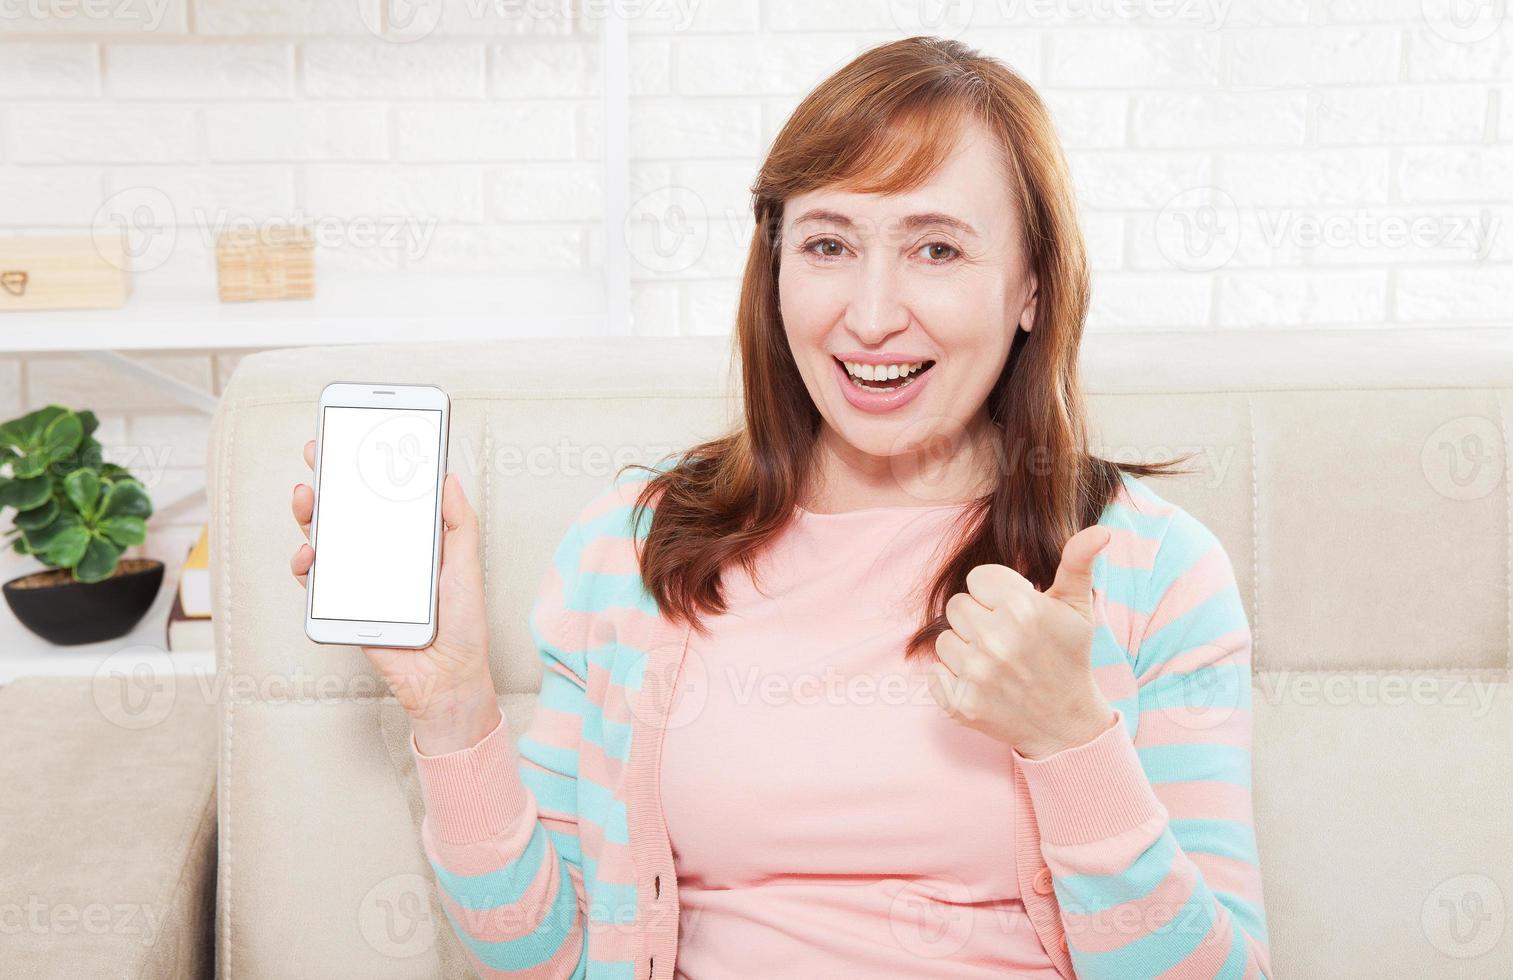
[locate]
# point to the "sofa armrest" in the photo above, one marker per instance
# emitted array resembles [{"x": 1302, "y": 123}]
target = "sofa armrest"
[{"x": 107, "y": 862}]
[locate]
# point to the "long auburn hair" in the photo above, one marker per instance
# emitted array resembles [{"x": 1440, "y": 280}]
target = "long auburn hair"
[{"x": 882, "y": 124}]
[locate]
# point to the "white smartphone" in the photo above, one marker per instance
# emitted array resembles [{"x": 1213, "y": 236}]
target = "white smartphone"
[{"x": 380, "y": 459}]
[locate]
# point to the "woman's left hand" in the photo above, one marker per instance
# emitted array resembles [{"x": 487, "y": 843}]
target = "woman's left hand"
[{"x": 1016, "y": 663}]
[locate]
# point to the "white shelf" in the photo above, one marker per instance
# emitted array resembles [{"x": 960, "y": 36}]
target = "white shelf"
[
  {"x": 167, "y": 314},
  {"x": 24, "y": 654},
  {"x": 170, "y": 315}
]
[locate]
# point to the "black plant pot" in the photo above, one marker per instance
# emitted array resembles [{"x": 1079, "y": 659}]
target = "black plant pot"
[{"x": 72, "y": 612}]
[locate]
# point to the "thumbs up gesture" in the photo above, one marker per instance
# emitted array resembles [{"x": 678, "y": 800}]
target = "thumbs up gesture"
[{"x": 1016, "y": 663}]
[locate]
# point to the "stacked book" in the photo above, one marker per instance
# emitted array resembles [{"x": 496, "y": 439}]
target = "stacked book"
[{"x": 189, "y": 620}]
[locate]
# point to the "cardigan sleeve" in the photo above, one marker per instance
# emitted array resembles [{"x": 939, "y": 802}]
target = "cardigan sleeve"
[
  {"x": 1150, "y": 839},
  {"x": 501, "y": 826}
]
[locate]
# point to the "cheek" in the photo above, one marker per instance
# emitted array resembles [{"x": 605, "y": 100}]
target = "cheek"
[
  {"x": 972, "y": 330},
  {"x": 811, "y": 307},
  {"x": 967, "y": 310},
  {"x": 810, "y": 304}
]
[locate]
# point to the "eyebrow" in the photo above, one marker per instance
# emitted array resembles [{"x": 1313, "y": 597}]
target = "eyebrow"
[{"x": 909, "y": 223}]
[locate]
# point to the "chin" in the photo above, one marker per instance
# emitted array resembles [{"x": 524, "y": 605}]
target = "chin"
[
  {"x": 891, "y": 435},
  {"x": 872, "y": 438}
]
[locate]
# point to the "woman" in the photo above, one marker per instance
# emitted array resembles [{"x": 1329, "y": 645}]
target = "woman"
[{"x": 894, "y": 680}]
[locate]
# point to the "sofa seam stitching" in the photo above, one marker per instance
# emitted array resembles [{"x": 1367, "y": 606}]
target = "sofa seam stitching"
[
  {"x": 223, "y": 828},
  {"x": 1255, "y": 535},
  {"x": 1507, "y": 455},
  {"x": 488, "y": 499}
]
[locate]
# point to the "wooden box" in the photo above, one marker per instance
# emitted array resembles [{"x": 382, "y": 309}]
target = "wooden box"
[
  {"x": 265, "y": 263},
  {"x": 76, "y": 272}
]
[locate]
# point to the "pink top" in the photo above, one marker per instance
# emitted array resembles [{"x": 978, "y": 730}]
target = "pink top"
[
  {"x": 1135, "y": 853},
  {"x": 876, "y": 834}
]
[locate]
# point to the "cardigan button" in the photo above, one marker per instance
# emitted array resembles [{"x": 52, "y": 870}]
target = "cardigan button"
[{"x": 1042, "y": 882}]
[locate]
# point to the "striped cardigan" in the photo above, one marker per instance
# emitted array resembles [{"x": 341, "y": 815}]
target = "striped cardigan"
[{"x": 1136, "y": 852}]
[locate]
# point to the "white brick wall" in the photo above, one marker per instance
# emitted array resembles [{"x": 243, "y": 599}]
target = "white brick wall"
[{"x": 1241, "y": 163}]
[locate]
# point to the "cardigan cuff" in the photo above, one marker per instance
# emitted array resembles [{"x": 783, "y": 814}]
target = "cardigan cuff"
[
  {"x": 476, "y": 793},
  {"x": 1090, "y": 792}
]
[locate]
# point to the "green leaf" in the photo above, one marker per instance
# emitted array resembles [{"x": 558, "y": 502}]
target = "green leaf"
[
  {"x": 26, "y": 432},
  {"x": 125, "y": 498},
  {"x": 67, "y": 547},
  {"x": 41, "y": 438},
  {"x": 99, "y": 560},
  {"x": 40, "y": 539},
  {"x": 11, "y": 436},
  {"x": 89, "y": 421},
  {"x": 29, "y": 466},
  {"x": 38, "y": 517},
  {"x": 124, "y": 531},
  {"x": 111, "y": 471},
  {"x": 91, "y": 454},
  {"x": 43, "y": 417},
  {"x": 25, "y": 494},
  {"x": 62, "y": 436},
  {"x": 88, "y": 455},
  {"x": 19, "y": 546},
  {"x": 83, "y": 489}
]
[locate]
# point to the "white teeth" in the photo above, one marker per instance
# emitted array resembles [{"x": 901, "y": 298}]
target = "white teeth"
[{"x": 881, "y": 372}]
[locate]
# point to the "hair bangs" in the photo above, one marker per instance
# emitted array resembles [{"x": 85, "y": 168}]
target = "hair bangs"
[{"x": 910, "y": 145}]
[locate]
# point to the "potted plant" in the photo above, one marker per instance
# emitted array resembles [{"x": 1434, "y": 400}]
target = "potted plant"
[{"x": 78, "y": 514}]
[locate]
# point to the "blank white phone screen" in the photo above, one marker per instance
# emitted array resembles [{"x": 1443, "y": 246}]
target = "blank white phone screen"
[{"x": 376, "y": 525}]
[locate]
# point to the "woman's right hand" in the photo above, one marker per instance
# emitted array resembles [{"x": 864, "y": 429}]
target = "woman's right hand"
[{"x": 445, "y": 688}]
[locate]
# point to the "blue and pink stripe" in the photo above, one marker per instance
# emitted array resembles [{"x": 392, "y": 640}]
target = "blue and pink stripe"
[{"x": 1147, "y": 831}]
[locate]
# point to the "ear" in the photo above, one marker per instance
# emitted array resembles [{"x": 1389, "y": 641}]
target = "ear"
[{"x": 1031, "y": 303}]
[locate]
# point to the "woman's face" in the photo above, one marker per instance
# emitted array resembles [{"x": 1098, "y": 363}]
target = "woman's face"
[{"x": 900, "y": 309}]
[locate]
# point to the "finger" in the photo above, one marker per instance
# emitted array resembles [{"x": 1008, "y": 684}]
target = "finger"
[
  {"x": 952, "y": 651},
  {"x": 947, "y": 690},
  {"x": 301, "y": 562},
  {"x": 1074, "y": 576},
  {"x": 302, "y": 504},
  {"x": 310, "y": 454},
  {"x": 968, "y": 617},
  {"x": 461, "y": 523},
  {"x": 992, "y": 585},
  {"x": 456, "y": 509}
]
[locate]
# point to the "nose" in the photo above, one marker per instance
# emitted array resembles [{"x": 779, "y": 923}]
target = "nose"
[{"x": 876, "y": 310}]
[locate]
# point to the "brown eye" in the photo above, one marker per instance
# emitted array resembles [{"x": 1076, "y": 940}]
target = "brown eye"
[
  {"x": 822, "y": 243},
  {"x": 950, "y": 249}
]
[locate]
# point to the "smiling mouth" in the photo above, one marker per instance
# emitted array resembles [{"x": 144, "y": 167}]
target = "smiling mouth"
[{"x": 884, "y": 377}]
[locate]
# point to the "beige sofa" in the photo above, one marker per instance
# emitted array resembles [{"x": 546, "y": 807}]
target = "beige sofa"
[
  {"x": 1360, "y": 481},
  {"x": 107, "y": 825}
]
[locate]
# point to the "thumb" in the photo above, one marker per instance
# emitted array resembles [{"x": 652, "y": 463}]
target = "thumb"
[
  {"x": 458, "y": 515},
  {"x": 1074, "y": 576}
]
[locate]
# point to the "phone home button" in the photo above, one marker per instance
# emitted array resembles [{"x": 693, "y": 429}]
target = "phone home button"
[{"x": 370, "y": 632}]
